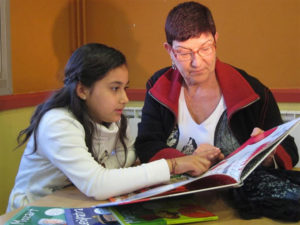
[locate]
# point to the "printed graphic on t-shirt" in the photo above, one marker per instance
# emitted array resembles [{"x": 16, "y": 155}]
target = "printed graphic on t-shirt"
[
  {"x": 173, "y": 139},
  {"x": 189, "y": 147}
]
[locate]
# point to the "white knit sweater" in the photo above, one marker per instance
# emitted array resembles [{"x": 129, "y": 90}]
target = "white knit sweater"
[{"x": 62, "y": 158}]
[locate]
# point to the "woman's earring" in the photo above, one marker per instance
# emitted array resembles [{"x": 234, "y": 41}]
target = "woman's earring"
[{"x": 173, "y": 66}]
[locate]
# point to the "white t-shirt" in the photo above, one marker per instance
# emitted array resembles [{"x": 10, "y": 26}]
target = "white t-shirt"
[
  {"x": 192, "y": 134},
  {"x": 62, "y": 158}
]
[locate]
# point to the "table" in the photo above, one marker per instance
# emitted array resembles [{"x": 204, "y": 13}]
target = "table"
[{"x": 71, "y": 197}]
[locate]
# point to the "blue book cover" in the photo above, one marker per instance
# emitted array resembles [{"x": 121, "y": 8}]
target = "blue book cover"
[{"x": 89, "y": 216}]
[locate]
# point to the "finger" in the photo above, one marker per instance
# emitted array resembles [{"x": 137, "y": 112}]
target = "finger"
[
  {"x": 256, "y": 131},
  {"x": 215, "y": 156},
  {"x": 221, "y": 156},
  {"x": 209, "y": 152},
  {"x": 204, "y": 148},
  {"x": 267, "y": 162}
]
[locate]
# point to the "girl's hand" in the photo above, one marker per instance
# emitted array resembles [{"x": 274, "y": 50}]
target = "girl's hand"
[{"x": 193, "y": 165}]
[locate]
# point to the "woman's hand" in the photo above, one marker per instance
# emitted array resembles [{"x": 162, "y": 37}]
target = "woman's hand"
[
  {"x": 268, "y": 162},
  {"x": 210, "y": 152},
  {"x": 195, "y": 164}
]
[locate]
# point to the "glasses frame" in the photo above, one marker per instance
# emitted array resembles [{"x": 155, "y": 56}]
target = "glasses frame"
[{"x": 192, "y": 53}]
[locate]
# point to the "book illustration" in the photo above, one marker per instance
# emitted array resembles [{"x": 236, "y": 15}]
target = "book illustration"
[
  {"x": 228, "y": 173},
  {"x": 38, "y": 215},
  {"x": 62, "y": 216},
  {"x": 170, "y": 211},
  {"x": 94, "y": 216},
  {"x": 175, "y": 179}
]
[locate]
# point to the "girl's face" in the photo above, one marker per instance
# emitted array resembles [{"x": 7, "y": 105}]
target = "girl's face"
[{"x": 107, "y": 98}]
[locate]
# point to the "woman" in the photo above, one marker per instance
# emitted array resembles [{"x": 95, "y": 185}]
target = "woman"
[{"x": 201, "y": 103}]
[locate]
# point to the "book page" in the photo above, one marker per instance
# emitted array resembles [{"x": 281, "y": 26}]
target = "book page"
[{"x": 234, "y": 164}]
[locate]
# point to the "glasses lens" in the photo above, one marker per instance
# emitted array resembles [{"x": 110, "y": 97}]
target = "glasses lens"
[
  {"x": 184, "y": 57},
  {"x": 205, "y": 51},
  {"x": 187, "y": 56}
]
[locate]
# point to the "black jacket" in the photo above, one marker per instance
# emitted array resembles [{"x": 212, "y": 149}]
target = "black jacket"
[{"x": 249, "y": 104}]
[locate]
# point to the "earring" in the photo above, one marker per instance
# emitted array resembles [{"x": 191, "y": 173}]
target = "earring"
[
  {"x": 83, "y": 97},
  {"x": 173, "y": 66}
]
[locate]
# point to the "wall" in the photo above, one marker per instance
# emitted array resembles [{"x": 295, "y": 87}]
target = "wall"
[
  {"x": 41, "y": 42},
  {"x": 12, "y": 121},
  {"x": 258, "y": 36}
]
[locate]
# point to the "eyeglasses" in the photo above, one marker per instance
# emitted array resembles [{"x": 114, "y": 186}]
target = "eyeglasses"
[{"x": 188, "y": 55}]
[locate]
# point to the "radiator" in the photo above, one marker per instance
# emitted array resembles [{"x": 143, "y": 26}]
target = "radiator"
[{"x": 134, "y": 117}]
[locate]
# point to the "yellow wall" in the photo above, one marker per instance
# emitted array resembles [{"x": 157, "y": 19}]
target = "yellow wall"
[
  {"x": 11, "y": 122},
  {"x": 284, "y": 106}
]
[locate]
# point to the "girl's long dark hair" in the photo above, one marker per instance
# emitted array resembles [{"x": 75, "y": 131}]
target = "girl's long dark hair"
[{"x": 87, "y": 64}]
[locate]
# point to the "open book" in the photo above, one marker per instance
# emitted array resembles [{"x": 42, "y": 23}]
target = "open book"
[{"x": 230, "y": 172}]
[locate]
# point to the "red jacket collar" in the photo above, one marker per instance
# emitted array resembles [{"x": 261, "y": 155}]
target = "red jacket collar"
[{"x": 236, "y": 90}]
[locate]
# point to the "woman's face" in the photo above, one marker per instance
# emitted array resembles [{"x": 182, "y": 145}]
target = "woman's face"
[
  {"x": 195, "y": 58},
  {"x": 107, "y": 97}
]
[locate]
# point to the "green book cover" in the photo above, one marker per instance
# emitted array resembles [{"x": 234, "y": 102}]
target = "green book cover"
[
  {"x": 38, "y": 215},
  {"x": 164, "y": 211}
]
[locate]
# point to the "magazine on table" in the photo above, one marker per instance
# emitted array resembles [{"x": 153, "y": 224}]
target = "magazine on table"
[
  {"x": 163, "y": 211},
  {"x": 228, "y": 173},
  {"x": 63, "y": 216}
]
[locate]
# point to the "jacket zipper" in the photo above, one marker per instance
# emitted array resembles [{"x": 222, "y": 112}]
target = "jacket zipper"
[
  {"x": 166, "y": 107},
  {"x": 229, "y": 119}
]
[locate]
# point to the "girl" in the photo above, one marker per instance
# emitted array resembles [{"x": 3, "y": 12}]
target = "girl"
[{"x": 79, "y": 136}]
